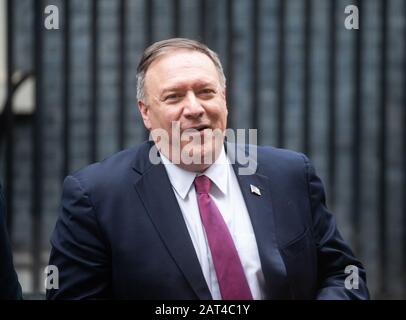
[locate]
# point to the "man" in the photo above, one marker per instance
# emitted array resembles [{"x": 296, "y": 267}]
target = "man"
[
  {"x": 10, "y": 289},
  {"x": 190, "y": 225}
]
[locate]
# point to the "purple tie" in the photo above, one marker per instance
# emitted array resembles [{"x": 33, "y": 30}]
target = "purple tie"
[{"x": 230, "y": 274}]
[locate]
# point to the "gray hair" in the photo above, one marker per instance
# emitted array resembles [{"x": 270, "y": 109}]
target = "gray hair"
[{"x": 161, "y": 47}]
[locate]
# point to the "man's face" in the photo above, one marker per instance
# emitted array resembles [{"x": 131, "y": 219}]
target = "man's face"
[{"x": 182, "y": 88}]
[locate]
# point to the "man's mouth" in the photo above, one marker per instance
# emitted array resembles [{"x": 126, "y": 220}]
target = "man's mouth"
[{"x": 199, "y": 128}]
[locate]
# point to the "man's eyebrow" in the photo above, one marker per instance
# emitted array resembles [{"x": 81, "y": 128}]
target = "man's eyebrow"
[
  {"x": 199, "y": 84},
  {"x": 172, "y": 88}
]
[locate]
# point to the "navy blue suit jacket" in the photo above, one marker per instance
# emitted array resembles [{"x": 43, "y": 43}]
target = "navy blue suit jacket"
[
  {"x": 10, "y": 288},
  {"x": 121, "y": 234}
]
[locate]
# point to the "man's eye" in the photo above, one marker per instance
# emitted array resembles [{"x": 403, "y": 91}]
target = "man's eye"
[
  {"x": 173, "y": 97},
  {"x": 207, "y": 92}
]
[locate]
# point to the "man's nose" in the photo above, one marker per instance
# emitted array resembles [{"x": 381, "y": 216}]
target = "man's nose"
[{"x": 193, "y": 108}]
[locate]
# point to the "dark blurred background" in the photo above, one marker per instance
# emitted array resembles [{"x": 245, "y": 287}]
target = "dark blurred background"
[{"x": 293, "y": 71}]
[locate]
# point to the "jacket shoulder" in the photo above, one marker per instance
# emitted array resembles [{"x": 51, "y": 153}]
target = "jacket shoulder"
[
  {"x": 110, "y": 172},
  {"x": 271, "y": 158}
]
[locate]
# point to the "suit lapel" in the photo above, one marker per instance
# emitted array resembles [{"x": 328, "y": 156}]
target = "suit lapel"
[
  {"x": 155, "y": 191},
  {"x": 163, "y": 208},
  {"x": 262, "y": 218}
]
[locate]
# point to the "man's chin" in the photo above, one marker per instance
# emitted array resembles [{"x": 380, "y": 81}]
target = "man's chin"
[
  {"x": 194, "y": 167},
  {"x": 198, "y": 159}
]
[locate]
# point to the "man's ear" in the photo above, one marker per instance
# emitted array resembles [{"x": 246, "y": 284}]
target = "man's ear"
[{"x": 144, "y": 111}]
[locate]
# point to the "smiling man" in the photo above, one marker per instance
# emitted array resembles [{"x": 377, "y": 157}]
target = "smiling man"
[
  {"x": 183, "y": 92},
  {"x": 190, "y": 226}
]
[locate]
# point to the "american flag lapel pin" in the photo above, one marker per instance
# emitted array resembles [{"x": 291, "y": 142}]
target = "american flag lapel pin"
[{"x": 255, "y": 190}]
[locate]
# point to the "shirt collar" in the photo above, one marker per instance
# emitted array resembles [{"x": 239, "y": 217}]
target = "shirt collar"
[
  {"x": 181, "y": 179},
  {"x": 218, "y": 172}
]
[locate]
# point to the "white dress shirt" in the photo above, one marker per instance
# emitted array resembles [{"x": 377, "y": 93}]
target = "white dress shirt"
[{"x": 226, "y": 193}]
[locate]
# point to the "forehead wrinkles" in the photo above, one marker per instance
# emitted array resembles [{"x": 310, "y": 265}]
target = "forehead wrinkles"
[{"x": 168, "y": 66}]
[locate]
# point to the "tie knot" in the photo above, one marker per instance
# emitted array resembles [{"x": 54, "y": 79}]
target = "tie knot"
[{"x": 202, "y": 184}]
